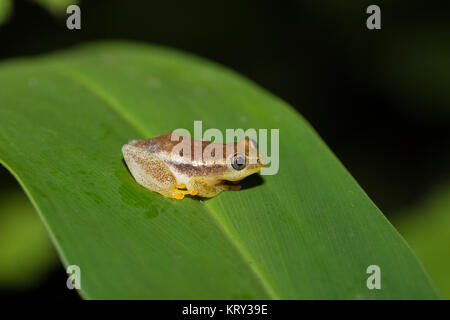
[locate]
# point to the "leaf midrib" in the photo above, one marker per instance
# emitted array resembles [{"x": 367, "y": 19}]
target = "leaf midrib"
[{"x": 112, "y": 103}]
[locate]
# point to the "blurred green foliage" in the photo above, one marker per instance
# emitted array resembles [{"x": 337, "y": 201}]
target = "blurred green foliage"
[
  {"x": 414, "y": 67},
  {"x": 56, "y": 7},
  {"x": 426, "y": 227},
  {"x": 5, "y": 10},
  {"x": 26, "y": 253}
]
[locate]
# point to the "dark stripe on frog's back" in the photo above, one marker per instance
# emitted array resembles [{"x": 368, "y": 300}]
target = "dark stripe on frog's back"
[
  {"x": 197, "y": 171},
  {"x": 163, "y": 145}
]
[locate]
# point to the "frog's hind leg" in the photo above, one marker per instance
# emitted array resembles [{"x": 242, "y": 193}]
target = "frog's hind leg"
[
  {"x": 152, "y": 173},
  {"x": 202, "y": 187},
  {"x": 179, "y": 194}
]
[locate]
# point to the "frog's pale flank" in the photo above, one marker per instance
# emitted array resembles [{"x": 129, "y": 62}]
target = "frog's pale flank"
[{"x": 174, "y": 166}]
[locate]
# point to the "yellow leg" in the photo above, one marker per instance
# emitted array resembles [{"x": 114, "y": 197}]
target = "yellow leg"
[
  {"x": 203, "y": 187},
  {"x": 179, "y": 194}
]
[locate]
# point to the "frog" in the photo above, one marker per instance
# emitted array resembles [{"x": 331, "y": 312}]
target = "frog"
[{"x": 169, "y": 164}]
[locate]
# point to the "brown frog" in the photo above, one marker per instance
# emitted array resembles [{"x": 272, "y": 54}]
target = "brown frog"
[{"x": 174, "y": 166}]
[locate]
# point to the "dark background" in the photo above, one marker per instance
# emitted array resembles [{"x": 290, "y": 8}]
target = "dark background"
[{"x": 379, "y": 98}]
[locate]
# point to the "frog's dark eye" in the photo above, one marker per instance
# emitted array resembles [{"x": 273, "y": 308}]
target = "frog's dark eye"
[{"x": 238, "y": 161}]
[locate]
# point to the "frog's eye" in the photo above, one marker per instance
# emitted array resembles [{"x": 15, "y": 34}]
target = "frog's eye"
[{"x": 238, "y": 161}]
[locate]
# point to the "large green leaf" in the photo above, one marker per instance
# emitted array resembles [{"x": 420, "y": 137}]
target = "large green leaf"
[{"x": 307, "y": 232}]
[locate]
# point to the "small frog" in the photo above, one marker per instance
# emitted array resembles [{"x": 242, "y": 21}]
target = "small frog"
[{"x": 170, "y": 165}]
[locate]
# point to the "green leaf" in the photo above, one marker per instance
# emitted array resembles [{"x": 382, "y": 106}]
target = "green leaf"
[{"x": 307, "y": 232}]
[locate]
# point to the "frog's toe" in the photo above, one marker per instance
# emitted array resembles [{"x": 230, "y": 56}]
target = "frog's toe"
[
  {"x": 190, "y": 192},
  {"x": 177, "y": 195}
]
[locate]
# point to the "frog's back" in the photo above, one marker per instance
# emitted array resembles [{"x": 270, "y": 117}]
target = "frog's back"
[
  {"x": 157, "y": 145},
  {"x": 178, "y": 152}
]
